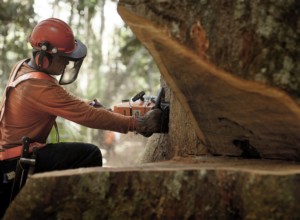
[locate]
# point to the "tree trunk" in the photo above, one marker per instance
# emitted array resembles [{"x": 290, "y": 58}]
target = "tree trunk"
[{"x": 212, "y": 112}]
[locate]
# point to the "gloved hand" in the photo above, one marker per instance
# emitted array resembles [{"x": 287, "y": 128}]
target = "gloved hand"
[
  {"x": 95, "y": 103},
  {"x": 149, "y": 123}
]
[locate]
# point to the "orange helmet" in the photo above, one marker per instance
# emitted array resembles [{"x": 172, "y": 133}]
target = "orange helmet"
[{"x": 54, "y": 37}]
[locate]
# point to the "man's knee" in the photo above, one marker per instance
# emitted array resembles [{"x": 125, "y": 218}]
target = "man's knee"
[
  {"x": 96, "y": 155},
  {"x": 62, "y": 156}
]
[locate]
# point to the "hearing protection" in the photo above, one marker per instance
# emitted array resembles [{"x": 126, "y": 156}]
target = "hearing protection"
[{"x": 42, "y": 57}]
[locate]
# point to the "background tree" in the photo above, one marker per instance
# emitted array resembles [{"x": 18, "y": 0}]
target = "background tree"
[{"x": 15, "y": 21}]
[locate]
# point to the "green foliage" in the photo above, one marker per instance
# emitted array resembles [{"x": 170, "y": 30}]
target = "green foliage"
[
  {"x": 16, "y": 20},
  {"x": 141, "y": 68},
  {"x": 89, "y": 4},
  {"x": 129, "y": 44}
]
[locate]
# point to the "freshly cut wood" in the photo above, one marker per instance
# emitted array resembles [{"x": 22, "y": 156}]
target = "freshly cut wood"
[
  {"x": 199, "y": 188},
  {"x": 231, "y": 116}
]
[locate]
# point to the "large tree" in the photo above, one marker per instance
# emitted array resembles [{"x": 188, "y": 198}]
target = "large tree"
[{"x": 219, "y": 114}]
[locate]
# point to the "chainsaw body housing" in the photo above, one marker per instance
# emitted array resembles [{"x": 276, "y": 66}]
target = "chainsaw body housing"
[
  {"x": 137, "y": 108},
  {"x": 140, "y": 104}
]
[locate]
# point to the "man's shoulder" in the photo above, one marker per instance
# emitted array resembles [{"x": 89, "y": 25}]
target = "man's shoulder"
[{"x": 33, "y": 75}]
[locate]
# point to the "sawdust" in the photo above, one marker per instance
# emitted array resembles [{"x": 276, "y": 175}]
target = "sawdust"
[{"x": 128, "y": 150}]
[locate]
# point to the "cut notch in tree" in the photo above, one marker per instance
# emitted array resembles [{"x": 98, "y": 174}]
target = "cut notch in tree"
[{"x": 223, "y": 108}]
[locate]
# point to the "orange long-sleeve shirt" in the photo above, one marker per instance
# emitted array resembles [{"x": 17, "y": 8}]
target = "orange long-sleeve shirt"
[{"x": 32, "y": 107}]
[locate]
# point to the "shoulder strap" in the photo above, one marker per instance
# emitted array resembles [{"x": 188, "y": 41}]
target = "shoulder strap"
[
  {"x": 10, "y": 79},
  {"x": 13, "y": 83},
  {"x": 31, "y": 75},
  {"x": 14, "y": 71}
]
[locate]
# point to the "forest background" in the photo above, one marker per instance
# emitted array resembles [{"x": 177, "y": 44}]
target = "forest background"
[{"x": 116, "y": 67}]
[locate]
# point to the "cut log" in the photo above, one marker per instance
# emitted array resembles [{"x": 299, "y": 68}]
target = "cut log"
[
  {"x": 231, "y": 115},
  {"x": 198, "y": 188}
]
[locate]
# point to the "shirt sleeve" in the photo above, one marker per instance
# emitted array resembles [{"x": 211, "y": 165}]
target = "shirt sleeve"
[{"x": 53, "y": 99}]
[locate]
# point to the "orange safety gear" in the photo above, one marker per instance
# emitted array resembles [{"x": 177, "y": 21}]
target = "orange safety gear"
[
  {"x": 110, "y": 138},
  {"x": 53, "y": 37},
  {"x": 31, "y": 108},
  {"x": 16, "y": 152},
  {"x": 59, "y": 37}
]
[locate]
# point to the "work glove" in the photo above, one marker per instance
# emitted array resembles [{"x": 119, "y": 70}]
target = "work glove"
[
  {"x": 149, "y": 123},
  {"x": 95, "y": 103}
]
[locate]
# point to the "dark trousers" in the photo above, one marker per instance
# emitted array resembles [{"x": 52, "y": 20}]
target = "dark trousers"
[
  {"x": 6, "y": 168},
  {"x": 60, "y": 156}
]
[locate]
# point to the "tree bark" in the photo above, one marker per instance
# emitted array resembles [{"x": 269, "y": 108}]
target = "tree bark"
[
  {"x": 220, "y": 112},
  {"x": 203, "y": 189}
]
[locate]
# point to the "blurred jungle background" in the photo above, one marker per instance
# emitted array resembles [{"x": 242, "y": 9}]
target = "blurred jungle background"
[{"x": 117, "y": 66}]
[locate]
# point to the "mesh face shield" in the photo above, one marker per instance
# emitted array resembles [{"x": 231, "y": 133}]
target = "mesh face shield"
[
  {"x": 71, "y": 72},
  {"x": 75, "y": 60}
]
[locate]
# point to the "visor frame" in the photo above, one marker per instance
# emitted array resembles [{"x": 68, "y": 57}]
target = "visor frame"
[{"x": 78, "y": 53}]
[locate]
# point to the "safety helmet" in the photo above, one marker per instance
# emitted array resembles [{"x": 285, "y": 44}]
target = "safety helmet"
[{"x": 53, "y": 37}]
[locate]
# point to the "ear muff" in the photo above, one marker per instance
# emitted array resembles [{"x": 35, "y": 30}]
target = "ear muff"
[{"x": 43, "y": 59}]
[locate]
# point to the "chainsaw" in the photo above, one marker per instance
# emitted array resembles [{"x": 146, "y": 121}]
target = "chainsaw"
[{"x": 140, "y": 104}]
